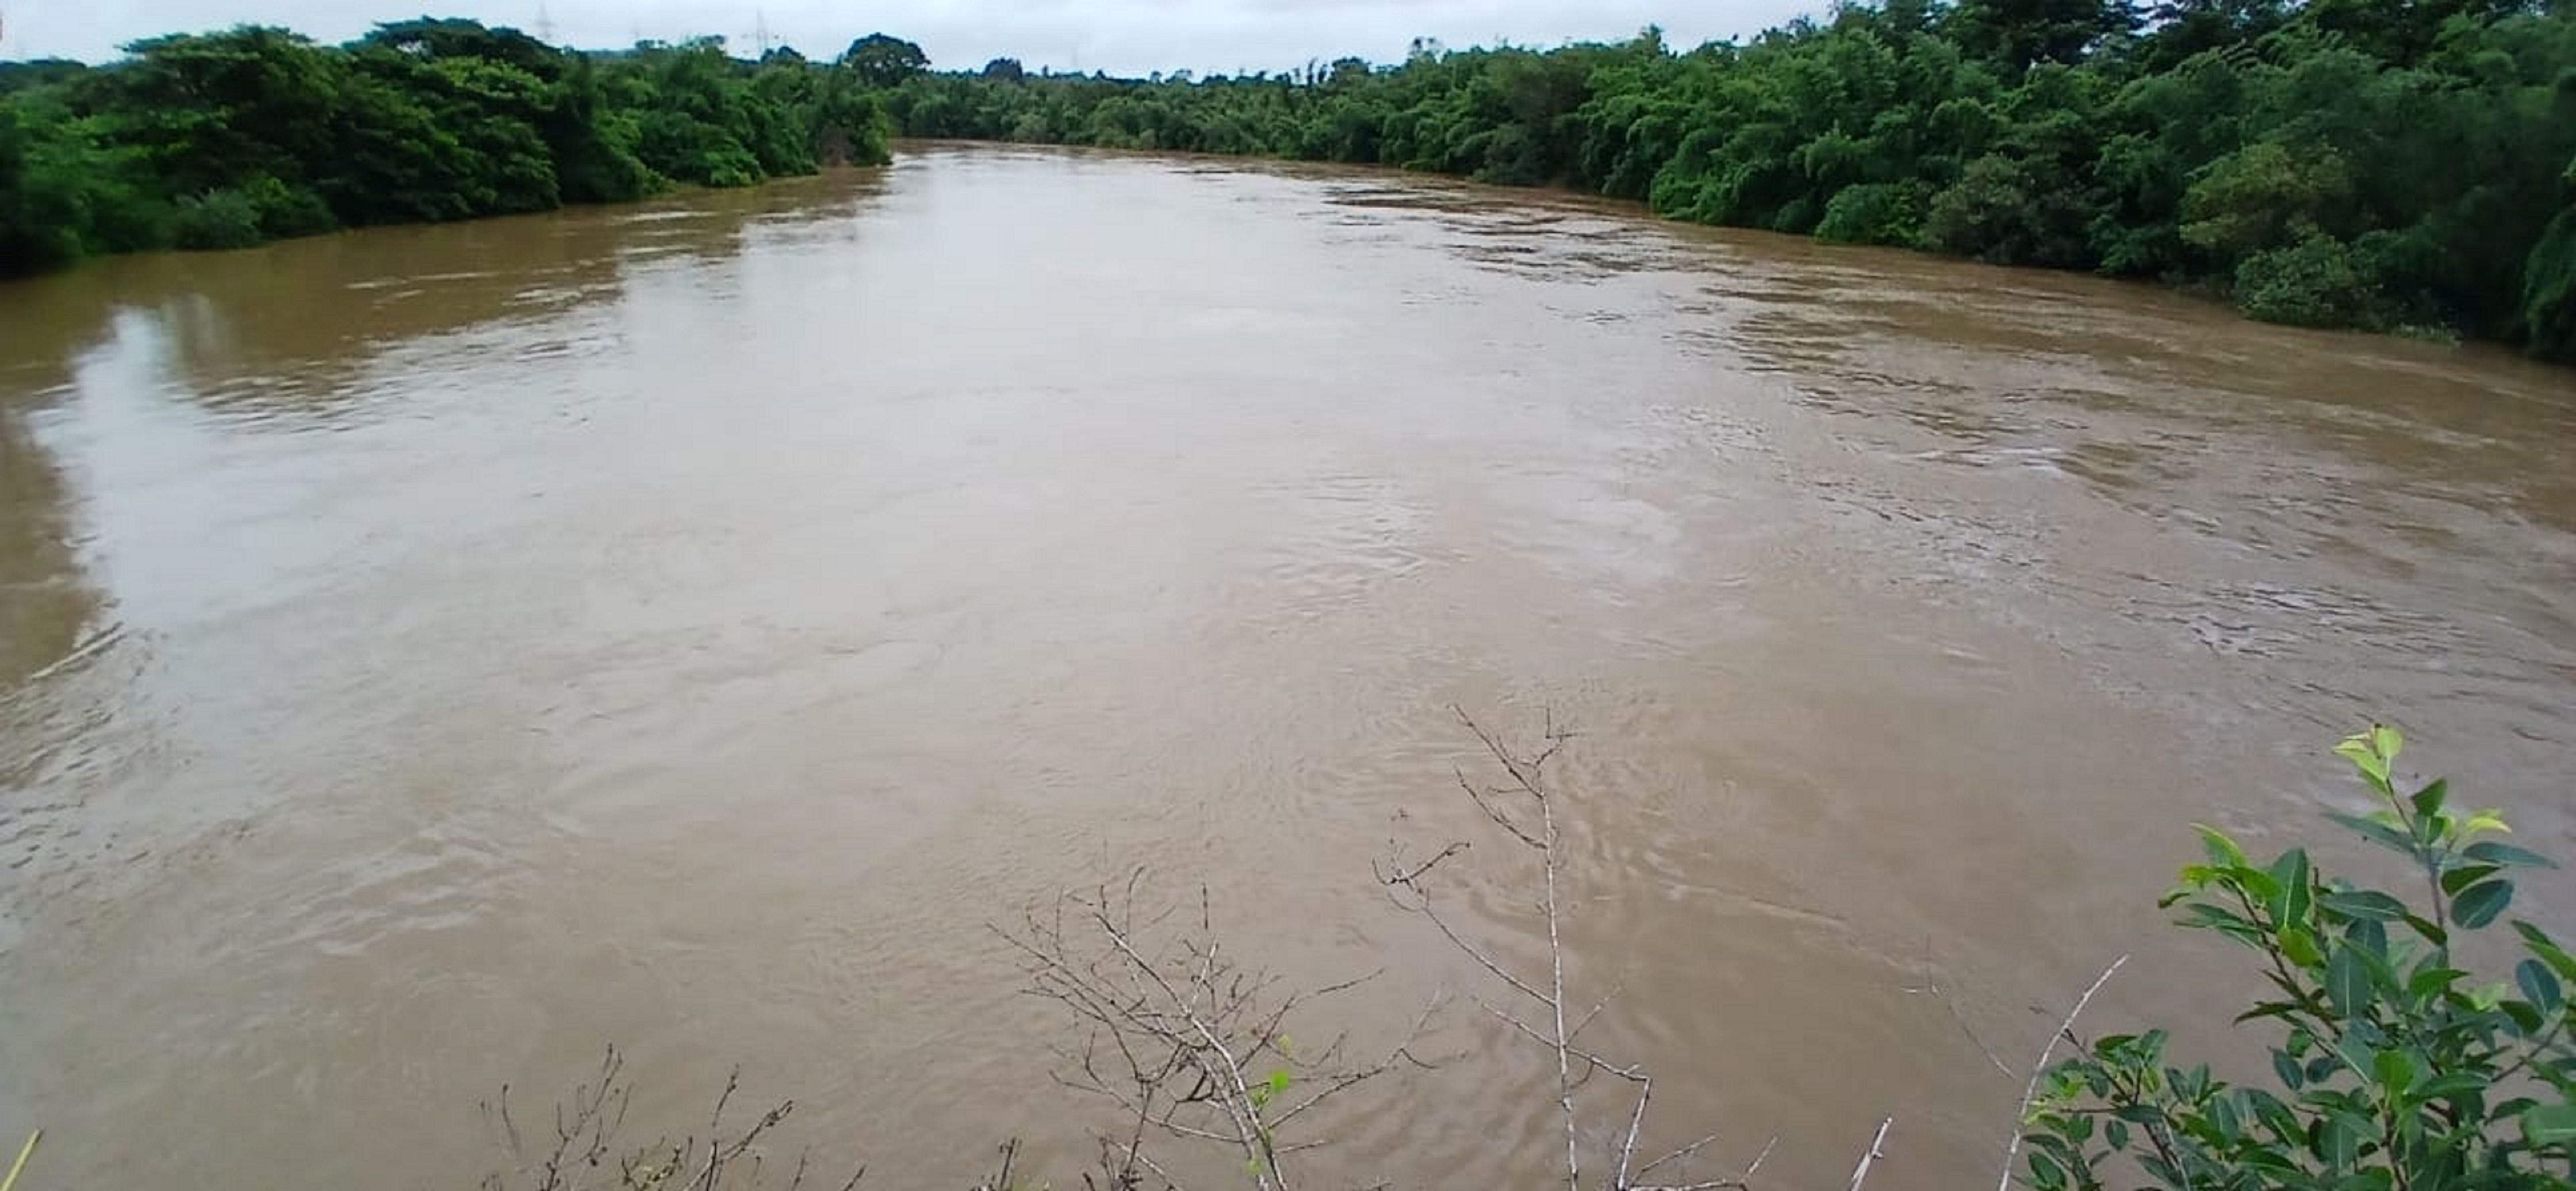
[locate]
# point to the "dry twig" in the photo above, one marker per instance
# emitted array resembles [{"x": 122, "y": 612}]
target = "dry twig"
[
  {"x": 1524, "y": 807},
  {"x": 1186, "y": 1042},
  {"x": 2039, "y": 1069},
  {"x": 585, "y": 1146}
]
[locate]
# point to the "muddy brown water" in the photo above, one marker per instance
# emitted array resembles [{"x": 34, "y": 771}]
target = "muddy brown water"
[{"x": 429, "y": 655}]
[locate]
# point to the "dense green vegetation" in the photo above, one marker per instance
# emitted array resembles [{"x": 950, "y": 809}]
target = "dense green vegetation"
[
  {"x": 2375, "y": 163},
  {"x": 2396, "y": 1068},
  {"x": 2390, "y": 164},
  {"x": 228, "y": 139}
]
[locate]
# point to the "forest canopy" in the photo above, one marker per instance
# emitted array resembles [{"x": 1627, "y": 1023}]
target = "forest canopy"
[
  {"x": 2385, "y": 164},
  {"x": 227, "y": 139}
]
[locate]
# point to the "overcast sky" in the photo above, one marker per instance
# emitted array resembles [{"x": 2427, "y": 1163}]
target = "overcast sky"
[{"x": 1119, "y": 36}]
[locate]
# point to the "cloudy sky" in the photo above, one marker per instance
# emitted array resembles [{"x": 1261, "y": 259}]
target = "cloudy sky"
[{"x": 1120, "y": 36}]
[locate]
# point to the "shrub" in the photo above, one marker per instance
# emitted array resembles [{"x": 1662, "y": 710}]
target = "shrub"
[
  {"x": 224, "y": 218},
  {"x": 2549, "y": 291},
  {"x": 285, "y": 210},
  {"x": 2396, "y": 1069},
  {"x": 2312, "y": 283},
  {"x": 1874, "y": 213},
  {"x": 2007, "y": 212}
]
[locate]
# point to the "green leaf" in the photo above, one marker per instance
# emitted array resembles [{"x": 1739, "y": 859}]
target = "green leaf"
[
  {"x": 2457, "y": 879},
  {"x": 2288, "y": 1069},
  {"x": 2347, "y": 983},
  {"x": 2373, "y": 954},
  {"x": 2367, "y": 904},
  {"x": 2429, "y": 981},
  {"x": 2547, "y": 949},
  {"x": 2141, "y": 1114},
  {"x": 2224, "y": 1117},
  {"x": 2386, "y": 742},
  {"x": 2301, "y": 947},
  {"x": 2540, "y": 985},
  {"x": 2290, "y": 905},
  {"x": 2275, "y": 1115},
  {"x": 2395, "y": 1070},
  {"x": 2457, "y": 1083},
  {"x": 2202, "y": 914},
  {"x": 2428, "y": 930},
  {"x": 2491, "y": 852},
  {"x": 2364, "y": 753},
  {"x": 2223, "y": 850},
  {"x": 2339, "y": 1140},
  {"x": 2549, "y": 1124},
  {"x": 2116, "y": 1132},
  {"x": 2374, "y": 831},
  {"x": 2478, "y": 905},
  {"x": 2428, "y": 801},
  {"x": 2485, "y": 820}
]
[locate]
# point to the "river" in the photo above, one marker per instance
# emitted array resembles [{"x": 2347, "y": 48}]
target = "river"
[{"x": 430, "y": 655}]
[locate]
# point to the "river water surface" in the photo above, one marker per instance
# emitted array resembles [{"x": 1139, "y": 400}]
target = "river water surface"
[{"x": 429, "y": 655}]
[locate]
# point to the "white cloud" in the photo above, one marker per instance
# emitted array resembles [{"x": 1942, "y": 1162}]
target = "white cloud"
[{"x": 1119, "y": 36}]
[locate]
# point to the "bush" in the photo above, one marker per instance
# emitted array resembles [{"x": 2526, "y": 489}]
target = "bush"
[
  {"x": 254, "y": 212},
  {"x": 2008, "y": 212},
  {"x": 1874, "y": 213},
  {"x": 2549, "y": 291},
  {"x": 2395, "y": 1067},
  {"x": 2312, "y": 283},
  {"x": 218, "y": 219},
  {"x": 287, "y": 210}
]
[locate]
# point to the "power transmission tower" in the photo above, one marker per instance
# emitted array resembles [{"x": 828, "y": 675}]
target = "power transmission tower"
[
  {"x": 545, "y": 24},
  {"x": 760, "y": 31}
]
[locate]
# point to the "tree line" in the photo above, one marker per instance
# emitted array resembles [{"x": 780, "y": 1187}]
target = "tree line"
[
  {"x": 2386, "y": 164},
  {"x": 228, "y": 139}
]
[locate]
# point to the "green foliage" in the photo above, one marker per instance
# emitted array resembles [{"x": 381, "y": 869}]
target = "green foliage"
[
  {"x": 1874, "y": 213},
  {"x": 2008, "y": 212},
  {"x": 2395, "y": 1066},
  {"x": 2333, "y": 163},
  {"x": 883, "y": 61},
  {"x": 2402, "y": 178},
  {"x": 2312, "y": 283},
  {"x": 218, "y": 219},
  {"x": 2549, "y": 291},
  {"x": 227, "y": 139}
]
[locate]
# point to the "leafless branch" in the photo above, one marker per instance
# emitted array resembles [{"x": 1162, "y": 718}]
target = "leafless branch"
[
  {"x": 2039, "y": 1069},
  {"x": 1525, "y": 806},
  {"x": 1188, "y": 1043},
  {"x": 585, "y": 1146},
  {"x": 1932, "y": 985},
  {"x": 1877, "y": 1150}
]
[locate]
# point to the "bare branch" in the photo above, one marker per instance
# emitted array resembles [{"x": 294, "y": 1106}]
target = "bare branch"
[
  {"x": 1932, "y": 985},
  {"x": 1409, "y": 876},
  {"x": 1876, "y": 1151},
  {"x": 2039, "y": 1069},
  {"x": 1178, "y": 1029}
]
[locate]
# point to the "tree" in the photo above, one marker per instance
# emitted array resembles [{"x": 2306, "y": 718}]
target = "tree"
[
  {"x": 2021, "y": 33},
  {"x": 1004, "y": 70},
  {"x": 884, "y": 62}
]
